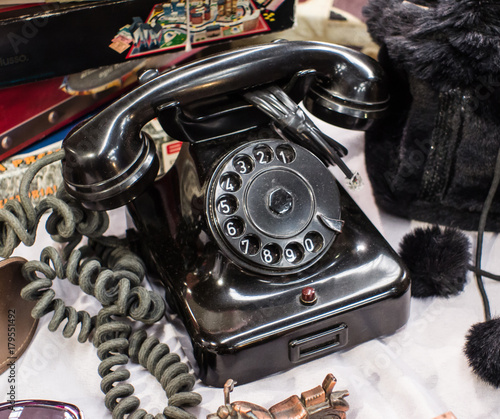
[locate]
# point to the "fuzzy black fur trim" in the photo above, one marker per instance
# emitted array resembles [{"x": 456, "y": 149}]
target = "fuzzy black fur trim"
[
  {"x": 482, "y": 349},
  {"x": 437, "y": 260},
  {"x": 449, "y": 43}
]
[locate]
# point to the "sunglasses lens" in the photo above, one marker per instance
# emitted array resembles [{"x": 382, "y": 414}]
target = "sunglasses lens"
[{"x": 37, "y": 412}]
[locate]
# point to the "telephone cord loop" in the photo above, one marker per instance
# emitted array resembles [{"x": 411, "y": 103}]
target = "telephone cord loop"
[{"x": 111, "y": 273}]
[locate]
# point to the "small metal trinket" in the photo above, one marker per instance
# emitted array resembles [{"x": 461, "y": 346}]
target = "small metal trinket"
[{"x": 320, "y": 402}]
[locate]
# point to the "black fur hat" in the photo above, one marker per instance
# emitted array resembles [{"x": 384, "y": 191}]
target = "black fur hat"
[{"x": 433, "y": 157}]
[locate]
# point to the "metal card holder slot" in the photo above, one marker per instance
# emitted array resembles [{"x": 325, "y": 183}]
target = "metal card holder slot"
[{"x": 320, "y": 343}]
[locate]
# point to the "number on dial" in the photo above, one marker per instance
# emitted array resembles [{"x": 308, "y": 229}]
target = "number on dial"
[
  {"x": 263, "y": 154},
  {"x": 271, "y": 254},
  {"x": 313, "y": 242},
  {"x": 285, "y": 153},
  {"x": 234, "y": 227},
  {"x": 243, "y": 164},
  {"x": 230, "y": 182},
  {"x": 227, "y": 204},
  {"x": 249, "y": 245},
  {"x": 294, "y": 253}
]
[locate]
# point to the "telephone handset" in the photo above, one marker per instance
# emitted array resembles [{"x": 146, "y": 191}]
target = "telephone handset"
[
  {"x": 267, "y": 260},
  {"x": 108, "y": 160}
]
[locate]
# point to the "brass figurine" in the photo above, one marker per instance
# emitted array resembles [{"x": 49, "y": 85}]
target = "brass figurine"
[{"x": 320, "y": 402}]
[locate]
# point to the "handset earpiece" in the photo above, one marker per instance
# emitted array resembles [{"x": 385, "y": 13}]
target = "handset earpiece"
[{"x": 353, "y": 98}]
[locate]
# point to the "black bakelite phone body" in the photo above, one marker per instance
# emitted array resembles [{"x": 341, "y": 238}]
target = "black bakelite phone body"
[{"x": 264, "y": 256}]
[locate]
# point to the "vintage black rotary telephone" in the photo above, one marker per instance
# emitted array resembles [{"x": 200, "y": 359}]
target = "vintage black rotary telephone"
[
  {"x": 266, "y": 259},
  {"x": 241, "y": 231}
]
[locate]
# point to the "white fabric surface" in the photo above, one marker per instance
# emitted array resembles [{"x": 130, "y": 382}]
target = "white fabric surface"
[{"x": 417, "y": 373}]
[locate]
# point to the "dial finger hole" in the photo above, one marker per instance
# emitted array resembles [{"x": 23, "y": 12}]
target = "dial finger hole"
[
  {"x": 227, "y": 204},
  {"x": 250, "y": 245},
  {"x": 294, "y": 253},
  {"x": 313, "y": 242},
  {"x": 230, "y": 182},
  {"x": 234, "y": 227},
  {"x": 271, "y": 254},
  {"x": 243, "y": 164},
  {"x": 263, "y": 154},
  {"x": 285, "y": 153}
]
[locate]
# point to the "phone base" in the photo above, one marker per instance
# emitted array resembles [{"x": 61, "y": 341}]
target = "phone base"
[
  {"x": 245, "y": 325},
  {"x": 250, "y": 331}
]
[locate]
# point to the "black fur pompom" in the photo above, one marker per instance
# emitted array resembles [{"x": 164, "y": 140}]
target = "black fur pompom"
[
  {"x": 437, "y": 261},
  {"x": 482, "y": 348}
]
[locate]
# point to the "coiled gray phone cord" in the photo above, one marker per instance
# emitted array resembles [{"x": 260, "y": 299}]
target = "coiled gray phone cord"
[{"x": 109, "y": 271}]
